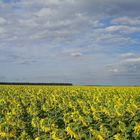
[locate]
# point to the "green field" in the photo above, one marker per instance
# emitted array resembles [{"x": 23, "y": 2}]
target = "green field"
[{"x": 67, "y": 113}]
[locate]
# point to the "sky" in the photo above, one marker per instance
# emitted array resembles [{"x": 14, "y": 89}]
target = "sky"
[{"x": 78, "y": 41}]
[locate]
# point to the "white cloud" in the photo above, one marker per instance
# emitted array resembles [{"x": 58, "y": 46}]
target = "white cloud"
[
  {"x": 2, "y": 21},
  {"x": 132, "y": 61},
  {"x": 46, "y": 12},
  {"x": 104, "y": 37},
  {"x": 126, "y": 21},
  {"x": 76, "y": 54},
  {"x": 2, "y": 31},
  {"x": 28, "y": 23},
  {"x": 128, "y": 55},
  {"x": 115, "y": 70},
  {"x": 127, "y": 64},
  {"x": 122, "y": 29}
]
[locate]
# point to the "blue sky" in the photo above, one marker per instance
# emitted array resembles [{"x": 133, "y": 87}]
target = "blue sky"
[{"x": 83, "y": 42}]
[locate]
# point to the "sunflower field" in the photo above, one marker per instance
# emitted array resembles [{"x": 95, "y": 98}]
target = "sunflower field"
[{"x": 69, "y": 113}]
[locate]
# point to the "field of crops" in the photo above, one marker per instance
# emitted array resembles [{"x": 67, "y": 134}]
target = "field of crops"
[{"x": 67, "y": 113}]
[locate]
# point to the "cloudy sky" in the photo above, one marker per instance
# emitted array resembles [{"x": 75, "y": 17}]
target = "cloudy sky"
[{"x": 78, "y": 41}]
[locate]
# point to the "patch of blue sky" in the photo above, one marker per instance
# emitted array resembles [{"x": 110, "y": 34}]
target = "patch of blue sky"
[
  {"x": 9, "y": 1},
  {"x": 136, "y": 35},
  {"x": 128, "y": 49},
  {"x": 106, "y": 21}
]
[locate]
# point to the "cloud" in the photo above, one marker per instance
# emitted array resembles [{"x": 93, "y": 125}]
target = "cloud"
[
  {"x": 46, "y": 20},
  {"x": 132, "y": 61},
  {"x": 76, "y": 54},
  {"x": 129, "y": 63},
  {"x": 126, "y": 21},
  {"x": 46, "y": 12},
  {"x": 113, "y": 36},
  {"x": 130, "y": 58},
  {"x": 2, "y": 30},
  {"x": 122, "y": 29},
  {"x": 114, "y": 70},
  {"x": 2, "y": 21},
  {"x": 128, "y": 55}
]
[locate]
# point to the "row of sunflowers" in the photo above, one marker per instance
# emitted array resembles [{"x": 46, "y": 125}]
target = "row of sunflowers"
[{"x": 68, "y": 113}]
